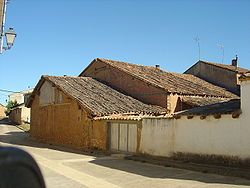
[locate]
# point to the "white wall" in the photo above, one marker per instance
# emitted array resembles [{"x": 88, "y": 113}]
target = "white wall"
[
  {"x": 245, "y": 97},
  {"x": 157, "y": 137},
  {"x": 18, "y": 97},
  {"x": 225, "y": 136},
  {"x": 25, "y": 116}
]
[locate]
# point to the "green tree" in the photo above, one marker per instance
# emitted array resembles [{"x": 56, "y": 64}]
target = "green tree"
[{"x": 10, "y": 105}]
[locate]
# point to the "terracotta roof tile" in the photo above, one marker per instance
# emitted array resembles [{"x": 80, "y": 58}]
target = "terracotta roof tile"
[
  {"x": 98, "y": 98},
  {"x": 227, "y": 107},
  {"x": 171, "y": 82},
  {"x": 202, "y": 101}
]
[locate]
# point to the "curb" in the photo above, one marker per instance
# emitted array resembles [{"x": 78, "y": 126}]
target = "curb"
[{"x": 204, "y": 168}]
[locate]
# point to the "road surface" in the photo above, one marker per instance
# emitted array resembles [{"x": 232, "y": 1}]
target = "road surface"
[{"x": 68, "y": 168}]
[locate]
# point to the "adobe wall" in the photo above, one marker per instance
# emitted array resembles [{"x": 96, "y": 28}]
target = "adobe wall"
[
  {"x": 65, "y": 123},
  {"x": 99, "y": 139},
  {"x": 127, "y": 84},
  {"x": 15, "y": 116},
  {"x": 2, "y": 109},
  {"x": 216, "y": 75}
]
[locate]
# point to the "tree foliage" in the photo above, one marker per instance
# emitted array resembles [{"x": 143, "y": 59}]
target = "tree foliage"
[{"x": 10, "y": 105}]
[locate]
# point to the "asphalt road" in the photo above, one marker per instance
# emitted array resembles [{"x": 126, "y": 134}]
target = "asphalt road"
[{"x": 62, "y": 167}]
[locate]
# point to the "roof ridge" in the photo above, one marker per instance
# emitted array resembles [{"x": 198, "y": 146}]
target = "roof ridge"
[
  {"x": 226, "y": 66},
  {"x": 183, "y": 78}
]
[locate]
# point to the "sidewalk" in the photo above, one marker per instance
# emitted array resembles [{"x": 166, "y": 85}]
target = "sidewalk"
[{"x": 204, "y": 168}]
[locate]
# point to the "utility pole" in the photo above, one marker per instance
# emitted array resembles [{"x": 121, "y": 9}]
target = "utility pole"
[
  {"x": 3, "y": 16},
  {"x": 10, "y": 34}
]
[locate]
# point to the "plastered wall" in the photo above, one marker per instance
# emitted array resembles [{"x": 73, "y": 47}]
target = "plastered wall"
[{"x": 225, "y": 136}]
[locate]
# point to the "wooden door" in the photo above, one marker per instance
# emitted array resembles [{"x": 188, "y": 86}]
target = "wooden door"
[{"x": 123, "y": 137}]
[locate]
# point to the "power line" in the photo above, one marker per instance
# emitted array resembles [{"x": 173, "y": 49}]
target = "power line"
[{"x": 8, "y": 91}]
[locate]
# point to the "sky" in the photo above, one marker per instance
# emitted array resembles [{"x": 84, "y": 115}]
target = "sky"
[{"x": 61, "y": 37}]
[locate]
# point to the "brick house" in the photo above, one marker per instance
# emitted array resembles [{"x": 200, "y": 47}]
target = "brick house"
[{"x": 152, "y": 85}]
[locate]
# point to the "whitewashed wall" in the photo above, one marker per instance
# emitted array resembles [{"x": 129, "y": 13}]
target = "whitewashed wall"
[
  {"x": 245, "y": 97},
  {"x": 25, "y": 116},
  {"x": 225, "y": 136},
  {"x": 157, "y": 137}
]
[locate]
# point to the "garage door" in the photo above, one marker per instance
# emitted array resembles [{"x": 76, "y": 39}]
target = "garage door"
[{"x": 123, "y": 137}]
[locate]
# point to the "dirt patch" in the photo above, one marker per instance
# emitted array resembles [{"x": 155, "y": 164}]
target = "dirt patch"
[{"x": 25, "y": 127}]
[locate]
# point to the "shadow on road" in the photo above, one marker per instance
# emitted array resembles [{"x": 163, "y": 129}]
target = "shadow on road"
[
  {"x": 154, "y": 171},
  {"x": 20, "y": 138}
]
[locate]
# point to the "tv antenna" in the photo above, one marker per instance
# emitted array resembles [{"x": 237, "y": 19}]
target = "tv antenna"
[
  {"x": 222, "y": 50},
  {"x": 197, "y": 40}
]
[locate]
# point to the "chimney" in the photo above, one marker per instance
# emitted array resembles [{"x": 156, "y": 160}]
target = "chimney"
[
  {"x": 234, "y": 61},
  {"x": 157, "y": 66}
]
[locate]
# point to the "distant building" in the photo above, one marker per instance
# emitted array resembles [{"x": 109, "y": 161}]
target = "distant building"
[
  {"x": 19, "y": 97},
  {"x": 226, "y": 76},
  {"x": 2, "y": 110},
  {"x": 20, "y": 113}
]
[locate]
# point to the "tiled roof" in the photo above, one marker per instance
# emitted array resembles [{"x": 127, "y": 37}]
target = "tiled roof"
[
  {"x": 228, "y": 67},
  {"x": 96, "y": 97},
  {"x": 131, "y": 116},
  {"x": 245, "y": 76},
  {"x": 171, "y": 82},
  {"x": 227, "y": 107},
  {"x": 202, "y": 101}
]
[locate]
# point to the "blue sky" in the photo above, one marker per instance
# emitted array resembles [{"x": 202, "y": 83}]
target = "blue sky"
[{"x": 61, "y": 37}]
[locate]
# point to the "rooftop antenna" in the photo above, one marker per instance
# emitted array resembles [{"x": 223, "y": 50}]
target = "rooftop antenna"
[
  {"x": 222, "y": 50},
  {"x": 197, "y": 40}
]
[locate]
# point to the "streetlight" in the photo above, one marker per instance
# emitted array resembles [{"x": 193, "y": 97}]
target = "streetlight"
[{"x": 10, "y": 36}]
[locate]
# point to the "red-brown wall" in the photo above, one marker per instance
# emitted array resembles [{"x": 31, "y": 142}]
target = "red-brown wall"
[{"x": 126, "y": 83}]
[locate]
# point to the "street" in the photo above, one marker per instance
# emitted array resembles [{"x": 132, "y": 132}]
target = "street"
[{"x": 68, "y": 168}]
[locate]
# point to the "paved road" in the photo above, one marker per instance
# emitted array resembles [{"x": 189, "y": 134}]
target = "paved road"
[{"x": 66, "y": 168}]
